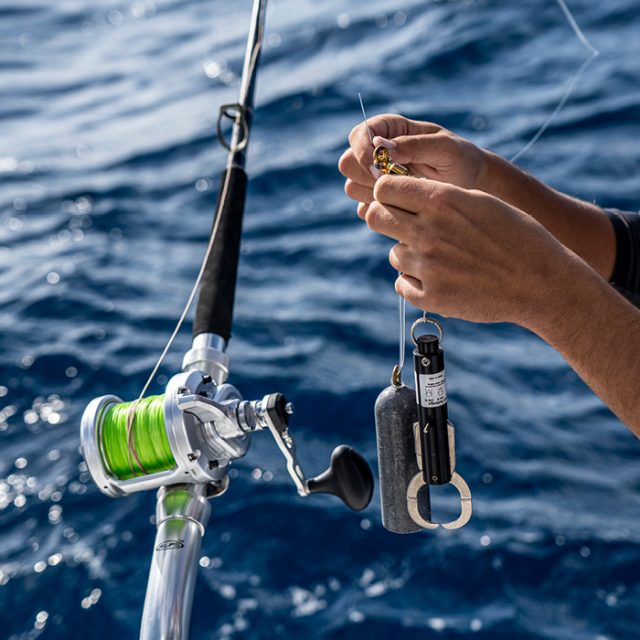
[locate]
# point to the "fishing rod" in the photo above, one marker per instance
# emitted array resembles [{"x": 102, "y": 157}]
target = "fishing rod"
[{"x": 182, "y": 442}]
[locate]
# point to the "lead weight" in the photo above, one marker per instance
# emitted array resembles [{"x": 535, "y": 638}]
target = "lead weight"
[{"x": 395, "y": 413}]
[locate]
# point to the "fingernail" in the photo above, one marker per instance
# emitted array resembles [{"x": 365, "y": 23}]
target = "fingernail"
[
  {"x": 379, "y": 140},
  {"x": 375, "y": 172}
]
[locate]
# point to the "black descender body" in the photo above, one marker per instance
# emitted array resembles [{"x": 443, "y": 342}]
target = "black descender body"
[{"x": 433, "y": 417}]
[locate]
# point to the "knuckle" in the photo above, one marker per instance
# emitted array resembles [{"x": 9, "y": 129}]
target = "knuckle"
[
  {"x": 370, "y": 215},
  {"x": 380, "y": 123},
  {"x": 382, "y": 188},
  {"x": 429, "y": 124},
  {"x": 444, "y": 199},
  {"x": 348, "y": 187},
  {"x": 425, "y": 244},
  {"x": 409, "y": 293},
  {"x": 436, "y": 194},
  {"x": 353, "y": 190},
  {"x": 399, "y": 256},
  {"x": 393, "y": 258},
  {"x": 353, "y": 134},
  {"x": 447, "y": 136},
  {"x": 435, "y": 287},
  {"x": 373, "y": 214},
  {"x": 344, "y": 162},
  {"x": 475, "y": 194}
]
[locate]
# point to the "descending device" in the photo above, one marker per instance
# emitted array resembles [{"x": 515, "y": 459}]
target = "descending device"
[{"x": 416, "y": 440}]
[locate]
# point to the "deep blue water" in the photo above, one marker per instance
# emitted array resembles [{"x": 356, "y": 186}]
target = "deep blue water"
[{"x": 108, "y": 172}]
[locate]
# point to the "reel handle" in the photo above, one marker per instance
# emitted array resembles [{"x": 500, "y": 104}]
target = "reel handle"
[{"x": 348, "y": 477}]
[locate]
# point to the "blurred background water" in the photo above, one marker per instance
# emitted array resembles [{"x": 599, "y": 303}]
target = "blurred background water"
[{"x": 108, "y": 173}]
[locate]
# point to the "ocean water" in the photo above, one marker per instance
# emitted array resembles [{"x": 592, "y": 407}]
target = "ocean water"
[{"x": 108, "y": 175}]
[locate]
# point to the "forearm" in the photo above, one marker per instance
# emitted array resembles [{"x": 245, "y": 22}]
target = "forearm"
[
  {"x": 598, "y": 333},
  {"x": 582, "y": 227}
]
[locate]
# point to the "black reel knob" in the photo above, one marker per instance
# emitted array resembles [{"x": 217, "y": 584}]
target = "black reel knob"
[{"x": 348, "y": 477}]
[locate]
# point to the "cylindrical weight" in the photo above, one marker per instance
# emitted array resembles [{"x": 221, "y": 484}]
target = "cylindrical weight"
[{"x": 395, "y": 412}]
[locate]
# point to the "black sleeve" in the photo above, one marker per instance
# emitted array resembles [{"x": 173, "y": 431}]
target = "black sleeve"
[{"x": 626, "y": 271}]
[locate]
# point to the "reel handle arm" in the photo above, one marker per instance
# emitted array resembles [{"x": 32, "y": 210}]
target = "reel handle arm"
[{"x": 348, "y": 476}]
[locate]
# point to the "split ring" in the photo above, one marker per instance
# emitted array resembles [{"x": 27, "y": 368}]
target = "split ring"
[{"x": 425, "y": 319}]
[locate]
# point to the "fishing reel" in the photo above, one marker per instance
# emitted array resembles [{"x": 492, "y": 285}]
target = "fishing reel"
[{"x": 192, "y": 433}]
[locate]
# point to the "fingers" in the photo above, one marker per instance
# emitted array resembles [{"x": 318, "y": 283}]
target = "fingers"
[
  {"x": 389, "y": 221},
  {"x": 416, "y": 194},
  {"x": 404, "y": 258},
  {"x": 361, "y": 147},
  {"x": 433, "y": 149},
  {"x": 350, "y": 168},
  {"x": 358, "y": 192},
  {"x": 409, "y": 288},
  {"x": 388, "y": 126}
]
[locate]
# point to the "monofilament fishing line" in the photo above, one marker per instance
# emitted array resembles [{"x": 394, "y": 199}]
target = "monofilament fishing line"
[{"x": 594, "y": 53}]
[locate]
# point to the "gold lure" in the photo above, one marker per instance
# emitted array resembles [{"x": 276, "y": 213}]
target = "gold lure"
[{"x": 383, "y": 162}]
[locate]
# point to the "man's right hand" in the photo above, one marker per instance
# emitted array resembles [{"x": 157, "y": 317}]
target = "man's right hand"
[{"x": 428, "y": 150}]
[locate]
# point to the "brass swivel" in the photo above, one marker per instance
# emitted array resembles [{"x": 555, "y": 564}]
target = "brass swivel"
[{"x": 383, "y": 162}]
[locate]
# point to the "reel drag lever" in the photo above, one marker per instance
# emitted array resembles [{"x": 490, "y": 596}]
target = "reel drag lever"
[{"x": 348, "y": 477}]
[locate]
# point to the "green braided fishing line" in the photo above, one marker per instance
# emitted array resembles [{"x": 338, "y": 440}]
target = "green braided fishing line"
[{"x": 148, "y": 439}]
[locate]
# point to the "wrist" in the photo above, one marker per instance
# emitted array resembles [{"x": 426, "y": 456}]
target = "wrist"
[
  {"x": 565, "y": 293},
  {"x": 501, "y": 178},
  {"x": 486, "y": 179}
]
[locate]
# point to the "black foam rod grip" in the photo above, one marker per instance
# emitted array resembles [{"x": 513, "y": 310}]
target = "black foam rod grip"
[
  {"x": 396, "y": 412},
  {"x": 214, "y": 313}
]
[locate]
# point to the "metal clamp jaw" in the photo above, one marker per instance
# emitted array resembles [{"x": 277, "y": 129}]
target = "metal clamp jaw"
[{"x": 417, "y": 483}]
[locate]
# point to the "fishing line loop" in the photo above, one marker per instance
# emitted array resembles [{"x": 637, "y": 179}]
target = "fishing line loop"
[{"x": 396, "y": 376}]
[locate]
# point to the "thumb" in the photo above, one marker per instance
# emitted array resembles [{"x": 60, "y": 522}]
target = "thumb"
[{"x": 432, "y": 149}]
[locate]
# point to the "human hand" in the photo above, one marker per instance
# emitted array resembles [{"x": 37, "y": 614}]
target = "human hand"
[
  {"x": 465, "y": 253},
  {"x": 428, "y": 151}
]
